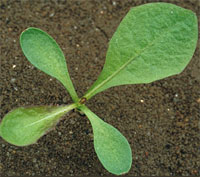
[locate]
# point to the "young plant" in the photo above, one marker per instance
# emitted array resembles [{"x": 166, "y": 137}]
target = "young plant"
[{"x": 153, "y": 41}]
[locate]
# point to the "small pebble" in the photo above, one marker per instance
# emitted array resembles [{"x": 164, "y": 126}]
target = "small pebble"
[
  {"x": 34, "y": 160},
  {"x": 51, "y": 15},
  {"x": 114, "y": 3},
  {"x": 12, "y": 80}
]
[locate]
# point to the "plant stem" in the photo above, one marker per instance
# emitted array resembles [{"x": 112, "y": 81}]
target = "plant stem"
[{"x": 68, "y": 108}]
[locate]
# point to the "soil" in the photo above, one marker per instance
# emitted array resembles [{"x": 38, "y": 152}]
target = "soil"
[{"x": 161, "y": 120}]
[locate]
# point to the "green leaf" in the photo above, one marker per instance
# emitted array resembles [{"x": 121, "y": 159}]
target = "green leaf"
[
  {"x": 24, "y": 126},
  {"x": 153, "y": 41},
  {"x": 45, "y": 54},
  {"x": 112, "y": 148}
]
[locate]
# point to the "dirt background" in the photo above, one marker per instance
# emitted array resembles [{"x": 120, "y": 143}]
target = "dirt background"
[{"x": 161, "y": 120}]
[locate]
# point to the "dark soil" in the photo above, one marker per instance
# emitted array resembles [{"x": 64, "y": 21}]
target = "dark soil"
[{"x": 161, "y": 120}]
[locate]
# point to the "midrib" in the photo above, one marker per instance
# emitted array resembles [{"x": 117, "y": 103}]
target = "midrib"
[
  {"x": 63, "y": 110},
  {"x": 88, "y": 95}
]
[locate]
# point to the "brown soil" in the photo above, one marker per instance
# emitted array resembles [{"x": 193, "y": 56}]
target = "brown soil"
[{"x": 163, "y": 129}]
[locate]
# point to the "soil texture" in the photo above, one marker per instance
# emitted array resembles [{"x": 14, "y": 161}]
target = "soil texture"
[{"x": 161, "y": 120}]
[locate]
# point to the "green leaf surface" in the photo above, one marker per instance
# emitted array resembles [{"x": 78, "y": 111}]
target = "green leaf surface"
[
  {"x": 24, "y": 126},
  {"x": 153, "y": 41},
  {"x": 112, "y": 148},
  {"x": 45, "y": 54}
]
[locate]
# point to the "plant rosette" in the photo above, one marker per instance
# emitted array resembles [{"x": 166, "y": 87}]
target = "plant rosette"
[{"x": 153, "y": 41}]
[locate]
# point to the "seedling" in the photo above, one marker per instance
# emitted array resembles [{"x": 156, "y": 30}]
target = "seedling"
[{"x": 153, "y": 41}]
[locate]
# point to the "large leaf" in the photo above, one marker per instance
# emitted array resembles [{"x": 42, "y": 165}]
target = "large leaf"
[
  {"x": 45, "y": 54},
  {"x": 24, "y": 126},
  {"x": 112, "y": 148},
  {"x": 153, "y": 41}
]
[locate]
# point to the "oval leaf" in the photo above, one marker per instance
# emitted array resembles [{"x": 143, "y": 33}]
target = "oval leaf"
[
  {"x": 45, "y": 54},
  {"x": 112, "y": 148},
  {"x": 24, "y": 126},
  {"x": 153, "y": 41}
]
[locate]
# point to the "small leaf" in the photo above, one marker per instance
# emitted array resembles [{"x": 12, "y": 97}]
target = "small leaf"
[
  {"x": 112, "y": 148},
  {"x": 153, "y": 41},
  {"x": 45, "y": 54},
  {"x": 24, "y": 126}
]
